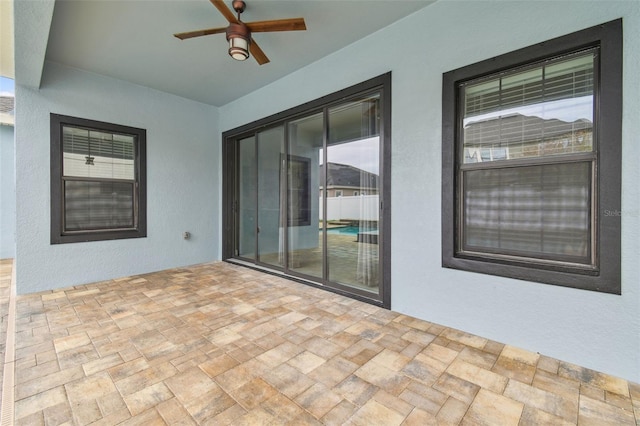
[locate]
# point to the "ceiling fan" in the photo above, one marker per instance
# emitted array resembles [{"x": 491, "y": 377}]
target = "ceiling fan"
[{"x": 239, "y": 33}]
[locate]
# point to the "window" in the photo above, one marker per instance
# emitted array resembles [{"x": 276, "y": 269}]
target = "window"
[
  {"x": 531, "y": 162},
  {"x": 338, "y": 192},
  {"x": 98, "y": 180}
]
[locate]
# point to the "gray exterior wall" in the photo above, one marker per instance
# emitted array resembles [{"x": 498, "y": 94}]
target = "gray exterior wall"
[{"x": 182, "y": 180}]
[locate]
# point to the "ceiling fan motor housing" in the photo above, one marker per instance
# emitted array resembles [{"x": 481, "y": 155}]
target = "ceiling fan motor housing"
[{"x": 238, "y": 5}]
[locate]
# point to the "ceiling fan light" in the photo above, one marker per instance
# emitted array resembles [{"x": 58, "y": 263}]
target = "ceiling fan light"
[
  {"x": 238, "y": 48},
  {"x": 239, "y": 37}
]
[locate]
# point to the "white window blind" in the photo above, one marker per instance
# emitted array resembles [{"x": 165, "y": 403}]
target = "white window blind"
[
  {"x": 541, "y": 111},
  {"x": 99, "y": 179}
]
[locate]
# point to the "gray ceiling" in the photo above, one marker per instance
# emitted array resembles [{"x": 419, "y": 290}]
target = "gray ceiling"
[{"x": 133, "y": 41}]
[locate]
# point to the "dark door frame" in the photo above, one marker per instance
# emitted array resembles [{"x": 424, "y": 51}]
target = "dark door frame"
[{"x": 381, "y": 85}]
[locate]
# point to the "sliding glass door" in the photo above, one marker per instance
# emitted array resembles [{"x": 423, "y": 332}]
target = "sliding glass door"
[
  {"x": 305, "y": 242},
  {"x": 353, "y": 171},
  {"x": 260, "y": 216},
  {"x": 247, "y": 198},
  {"x": 306, "y": 196},
  {"x": 270, "y": 146}
]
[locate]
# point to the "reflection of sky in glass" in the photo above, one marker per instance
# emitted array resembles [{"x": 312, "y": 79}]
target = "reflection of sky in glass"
[
  {"x": 568, "y": 110},
  {"x": 7, "y": 86},
  {"x": 363, "y": 154}
]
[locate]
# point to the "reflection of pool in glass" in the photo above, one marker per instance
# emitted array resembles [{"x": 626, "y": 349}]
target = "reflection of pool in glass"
[{"x": 349, "y": 230}]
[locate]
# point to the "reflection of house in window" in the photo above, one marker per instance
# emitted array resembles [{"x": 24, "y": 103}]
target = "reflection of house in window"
[
  {"x": 523, "y": 136},
  {"x": 345, "y": 179}
]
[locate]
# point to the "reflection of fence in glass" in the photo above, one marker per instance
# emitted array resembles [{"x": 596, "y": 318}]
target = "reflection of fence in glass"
[{"x": 362, "y": 207}]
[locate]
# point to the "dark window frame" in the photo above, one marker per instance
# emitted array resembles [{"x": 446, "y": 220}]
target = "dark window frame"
[
  {"x": 606, "y": 276},
  {"x": 58, "y": 234}
]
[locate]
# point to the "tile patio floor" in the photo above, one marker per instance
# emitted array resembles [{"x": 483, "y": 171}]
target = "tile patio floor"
[{"x": 221, "y": 344}]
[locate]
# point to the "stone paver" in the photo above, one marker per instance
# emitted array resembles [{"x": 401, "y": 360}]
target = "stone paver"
[{"x": 221, "y": 344}]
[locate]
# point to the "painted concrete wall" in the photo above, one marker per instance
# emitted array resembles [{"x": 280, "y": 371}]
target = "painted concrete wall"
[
  {"x": 182, "y": 180},
  {"x": 7, "y": 194},
  {"x": 599, "y": 331}
]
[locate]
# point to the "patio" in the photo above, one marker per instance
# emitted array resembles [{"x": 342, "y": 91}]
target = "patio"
[{"x": 221, "y": 344}]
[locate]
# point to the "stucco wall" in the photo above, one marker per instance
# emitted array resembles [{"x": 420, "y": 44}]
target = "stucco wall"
[
  {"x": 7, "y": 194},
  {"x": 600, "y": 331},
  {"x": 182, "y": 180}
]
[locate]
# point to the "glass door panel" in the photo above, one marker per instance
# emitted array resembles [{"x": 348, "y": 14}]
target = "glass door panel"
[
  {"x": 247, "y": 198},
  {"x": 304, "y": 195},
  {"x": 271, "y": 178},
  {"x": 353, "y": 194}
]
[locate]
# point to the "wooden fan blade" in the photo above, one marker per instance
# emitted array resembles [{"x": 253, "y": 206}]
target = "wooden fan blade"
[
  {"x": 293, "y": 24},
  {"x": 224, "y": 9},
  {"x": 257, "y": 53},
  {"x": 199, "y": 33}
]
